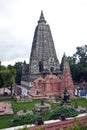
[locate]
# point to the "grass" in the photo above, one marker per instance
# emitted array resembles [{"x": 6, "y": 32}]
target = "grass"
[
  {"x": 21, "y": 105},
  {"x": 81, "y": 102},
  {"x": 5, "y": 121}
]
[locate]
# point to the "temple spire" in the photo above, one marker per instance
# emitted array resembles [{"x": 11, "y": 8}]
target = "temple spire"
[
  {"x": 42, "y": 19},
  {"x": 64, "y": 62},
  {"x": 43, "y": 58}
]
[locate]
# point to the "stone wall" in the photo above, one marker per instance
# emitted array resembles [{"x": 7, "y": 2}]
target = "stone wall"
[{"x": 63, "y": 124}]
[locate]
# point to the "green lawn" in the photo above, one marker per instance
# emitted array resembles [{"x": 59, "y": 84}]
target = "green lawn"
[
  {"x": 5, "y": 121},
  {"x": 81, "y": 102}
]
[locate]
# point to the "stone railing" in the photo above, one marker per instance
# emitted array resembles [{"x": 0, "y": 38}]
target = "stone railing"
[
  {"x": 63, "y": 124},
  {"x": 56, "y": 124}
]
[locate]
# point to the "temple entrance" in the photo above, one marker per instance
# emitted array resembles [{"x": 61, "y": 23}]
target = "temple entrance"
[
  {"x": 51, "y": 69},
  {"x": 40, "y": 66}
]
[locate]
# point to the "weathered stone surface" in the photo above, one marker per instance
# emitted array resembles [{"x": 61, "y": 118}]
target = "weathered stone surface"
[
  {"x": 52, "y": 85},
  {"x": 43, "y": 58},
  {"x": 6, "y": 108},
  {"x": 67, "y": 82},
  {"x": 43, "y": 62},
  {"x": 64, "y": 63}
]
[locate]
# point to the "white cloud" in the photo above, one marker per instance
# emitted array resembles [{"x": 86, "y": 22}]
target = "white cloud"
[{"x": 18, "y": 19}]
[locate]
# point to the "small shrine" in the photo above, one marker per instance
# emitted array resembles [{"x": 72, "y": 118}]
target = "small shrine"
[
  {"x": 42, "y": 108},
  {"x": 53, "y": 85}
]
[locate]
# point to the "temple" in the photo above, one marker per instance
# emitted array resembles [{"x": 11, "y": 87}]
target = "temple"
[
  {"x": 44, "y": 73},
  {"x": 43, "y": 58}
]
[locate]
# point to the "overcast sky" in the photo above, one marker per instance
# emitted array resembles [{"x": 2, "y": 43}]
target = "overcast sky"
[{"x": 18, "y": 19}]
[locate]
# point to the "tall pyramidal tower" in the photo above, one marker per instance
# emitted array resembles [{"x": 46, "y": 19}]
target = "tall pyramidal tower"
[{"x": 43, "y": 58}]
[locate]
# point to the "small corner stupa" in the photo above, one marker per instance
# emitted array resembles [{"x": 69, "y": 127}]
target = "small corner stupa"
[{"x": 67, "y": 81}]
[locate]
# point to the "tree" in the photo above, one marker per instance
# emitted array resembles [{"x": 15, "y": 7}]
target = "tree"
[
  {"x": 13, "y": 75},
  {"x": 78, "y": 64},
  {"x": 2, "y": 67},
  {"x": 81, "y": 54},
  {"x": 7, "y": 77},
  {"x": 18, "y": 68}
]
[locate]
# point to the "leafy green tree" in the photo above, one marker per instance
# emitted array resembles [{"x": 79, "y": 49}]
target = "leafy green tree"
[
  {"x": 78, "y": 64},
  {"x": 81, "y": 54},
  {"x": 7, "y": 77},
  {"x": 18, "y": 68},
  {"x": 13, "y": 75},
  {"x": 2, "y": 67}
]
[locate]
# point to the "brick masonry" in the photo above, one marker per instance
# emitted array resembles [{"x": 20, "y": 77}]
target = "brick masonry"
[{"x": 63, "y": 124}]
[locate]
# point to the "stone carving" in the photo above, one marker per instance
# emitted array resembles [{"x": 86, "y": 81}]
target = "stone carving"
[
  {"x": 42, "y": 108},
  {"x": 51, "y": 85},
  {"x": 43, "y": 58},
  {"x": 43, "y": 62}
]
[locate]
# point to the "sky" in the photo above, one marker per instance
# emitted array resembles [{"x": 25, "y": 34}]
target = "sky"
[{"x": 18, "y": 20}]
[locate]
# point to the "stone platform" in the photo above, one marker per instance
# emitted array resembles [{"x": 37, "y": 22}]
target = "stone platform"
[
  {"x": 25, "y": 112},
  {"x": 6, "y": 108},
  {"x": 42, "y": 109},
  {"x": 23, "y": 99}
]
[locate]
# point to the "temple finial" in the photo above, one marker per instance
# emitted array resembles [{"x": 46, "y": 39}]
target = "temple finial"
[
  {"x": 64, "y": 55},
  {"x": 42, "y": 19},
  {"x": 42, "y": 16},
  {"x": 65, "y": 62}
]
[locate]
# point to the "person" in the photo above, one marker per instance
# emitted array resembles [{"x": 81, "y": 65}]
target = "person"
[{"x": 66, "y": 95}]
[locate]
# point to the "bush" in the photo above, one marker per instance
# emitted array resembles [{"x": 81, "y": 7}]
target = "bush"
[
  {"x": 67, "y": 111},
  {"x": 23, "y": 119}
]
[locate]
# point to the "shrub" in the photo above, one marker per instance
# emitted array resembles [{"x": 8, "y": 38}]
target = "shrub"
[
  {"x": 67, "y": 111},
  {"x": 23, "y": 119}
]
